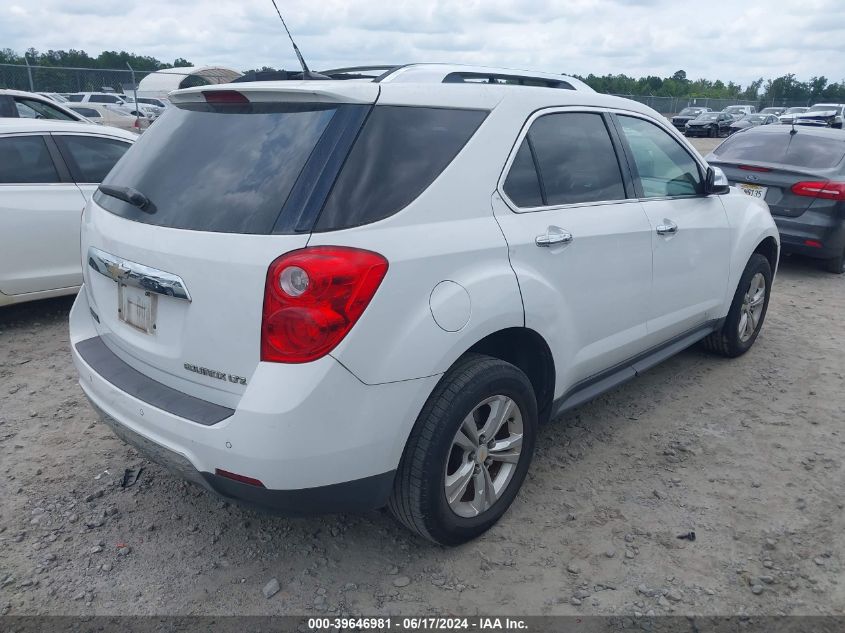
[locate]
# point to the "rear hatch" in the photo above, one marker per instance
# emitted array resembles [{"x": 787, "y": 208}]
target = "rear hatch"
[
  {"x": 768, "y": 162},
  {"x": 179, "y": 238}
]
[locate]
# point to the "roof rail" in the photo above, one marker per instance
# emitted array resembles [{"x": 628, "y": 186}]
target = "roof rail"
[{"x": 458, "y": 73}]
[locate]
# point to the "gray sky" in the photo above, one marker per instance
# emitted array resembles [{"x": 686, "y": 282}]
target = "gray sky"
[{"x": 736, "y": 40}]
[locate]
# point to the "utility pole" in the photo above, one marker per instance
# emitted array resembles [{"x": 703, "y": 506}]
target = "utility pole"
[{"x": 29, "y": 72}]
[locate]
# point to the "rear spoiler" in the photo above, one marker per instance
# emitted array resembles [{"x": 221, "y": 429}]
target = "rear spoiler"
[{"x": 287, "y": 91}]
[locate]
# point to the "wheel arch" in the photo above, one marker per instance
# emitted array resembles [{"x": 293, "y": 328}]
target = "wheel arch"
[
  {"x": 769, "y": 249},
  {"x": 527, "y": 350}
]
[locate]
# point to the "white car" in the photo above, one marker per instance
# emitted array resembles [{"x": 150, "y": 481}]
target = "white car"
[
  {"x": 48, "y": 170},
  {"x": 151, "y": 111},
  {"x": 30, "y": 105},
  {"x": 331, "y": 296},
  {"x": 789, "y": 115},
  {"x": 740, "y": 111},
  {"x": 114, "y": 116}
]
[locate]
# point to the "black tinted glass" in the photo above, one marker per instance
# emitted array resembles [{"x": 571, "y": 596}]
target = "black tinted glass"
[
  {"x": 399, "y": 153},
  {"x": 664, "y": 167},
  {"x": 226, "y": 168},
  {"x": 522, "y": 184},
  {"x": 576, "y": 159},
  {"x": 25, "y": 159},
  {"x": 90, "y": 158},
  {"x": 45, "y": 110},
  {"x": 793, "y": 150}
]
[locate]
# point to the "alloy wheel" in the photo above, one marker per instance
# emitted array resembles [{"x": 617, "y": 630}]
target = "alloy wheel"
[
  {"x": 484, "y": 456},
  {"x": 752, "y": 307}
]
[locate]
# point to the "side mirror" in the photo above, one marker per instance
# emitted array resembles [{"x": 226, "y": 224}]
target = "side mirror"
[{"x": 716, "y": 183}]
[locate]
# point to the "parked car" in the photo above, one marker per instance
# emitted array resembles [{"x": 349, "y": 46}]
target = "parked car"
[
  {"x": 739, "y": 111},
  {"x": 753, "y": 120},
  {"x": 104, "y": 98},
  {"x": 152, "y": 112},
  {"x": 382, "y": 338},
  {"x": 709, "y": 124},
  {"x": 789, "y": 115},
  {"x": 775, "y": 110},
  {"x": 29, "y": 105},
  {"x": 160, "y": 103},
  {"x": 823, "y": 114},
  {"x": 686, "y": 115},
  {"x": 114, "y": 116},
  {"x": 48, "y": 169},
  {"x": 801, "y": 175}
]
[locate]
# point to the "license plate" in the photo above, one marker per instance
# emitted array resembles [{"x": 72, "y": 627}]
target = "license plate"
[
  {"x": 137, "y": 308},
  {"x": 755, "y": 191}
]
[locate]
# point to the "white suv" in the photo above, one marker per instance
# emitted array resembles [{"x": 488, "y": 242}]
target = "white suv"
[{"x": 329, "y": 296}]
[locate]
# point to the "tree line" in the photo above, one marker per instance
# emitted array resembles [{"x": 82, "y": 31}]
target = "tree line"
[{"x": 785, "y": 88}]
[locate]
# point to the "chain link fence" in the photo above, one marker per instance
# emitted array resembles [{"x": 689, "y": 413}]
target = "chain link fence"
[
  {"x": 673, "y": 105},
  {"x": 62, "y": 79}
]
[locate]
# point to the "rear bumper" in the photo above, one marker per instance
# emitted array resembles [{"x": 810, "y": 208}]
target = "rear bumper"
[
  {"x": 816, "y": 227},
  {"x": 316, "y": 437},
  {"x": 352, "y": 496}
]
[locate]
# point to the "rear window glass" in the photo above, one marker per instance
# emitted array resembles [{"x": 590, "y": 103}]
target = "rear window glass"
[
  {"x": 221, "y": 168},
  {"x": 398, "y": 154},
  {"x": 795, "y": 150},
  {"x": 576, "y": 159}
]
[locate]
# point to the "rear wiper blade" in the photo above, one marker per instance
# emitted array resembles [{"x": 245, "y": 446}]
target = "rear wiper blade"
[{"x": 130, "y": 195}]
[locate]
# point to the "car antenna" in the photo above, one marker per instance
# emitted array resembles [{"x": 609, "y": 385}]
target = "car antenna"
[{"x": 306, "y": 73}]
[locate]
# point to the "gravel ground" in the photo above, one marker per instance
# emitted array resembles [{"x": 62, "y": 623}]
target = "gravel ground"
[{"x": 745, "y": 453}]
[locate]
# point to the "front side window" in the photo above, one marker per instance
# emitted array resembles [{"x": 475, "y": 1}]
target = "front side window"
[
  {"x": 575, "y": 159},
  {"x": 25, "y": 159},
  {"x": 75, "y": 98},
  {"x": 90, "y": 158},
  {"x": 664, "y": 168}
]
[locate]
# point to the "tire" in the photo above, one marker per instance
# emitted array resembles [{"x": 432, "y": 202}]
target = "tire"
[
  {"x": 419, "y": 499},
  {"x": 729, "y": 341},
  {"x": 836, "y": 265}
]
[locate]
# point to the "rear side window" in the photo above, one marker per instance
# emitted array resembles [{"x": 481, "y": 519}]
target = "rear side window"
[
  {"x": 77, "y": 98},
  {"x": 575, "y": 159},
  {"x": 41, "y": 110},
  {"x": 803, "y": 149},
  {"x": 103, "y": 99},
  {"x": 25, "y": 159},
  {"x": 222, "y": 168},
  {"x": 400, "y": 151},
  {"x": 664, "y": 168},
  {"x": 90, "y": 113},
  {"x": 90, "y": 158},
  {"x": 522, "y": 184}
]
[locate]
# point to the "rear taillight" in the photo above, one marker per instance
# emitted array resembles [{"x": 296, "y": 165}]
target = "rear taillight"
[
  {"x": 820, "y": 189},
  {"x": 313, "y": 297},
  {"x": 754, "y": 168},
  {"x": 224, "y": 96}
]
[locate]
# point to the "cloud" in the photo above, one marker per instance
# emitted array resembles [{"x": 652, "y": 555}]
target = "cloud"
[{"x": 721, "y": 39}]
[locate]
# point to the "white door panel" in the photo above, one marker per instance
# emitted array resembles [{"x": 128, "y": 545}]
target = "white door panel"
[
  {"x": 691, "y": 266},
  {"x": 40, "y": 228},
  {"x": 588, "y": 298}
]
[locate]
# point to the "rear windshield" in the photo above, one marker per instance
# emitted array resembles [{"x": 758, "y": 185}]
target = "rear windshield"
[
  {"x": 794, "y": 150},
  {"x": 220, "y": 168},
  {"x": 276, "y": 168}
]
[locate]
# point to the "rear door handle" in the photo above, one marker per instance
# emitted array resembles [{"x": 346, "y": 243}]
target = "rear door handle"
[
  {"x": 667, "y": 228},
  {"x": 553, "y": 236}
]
